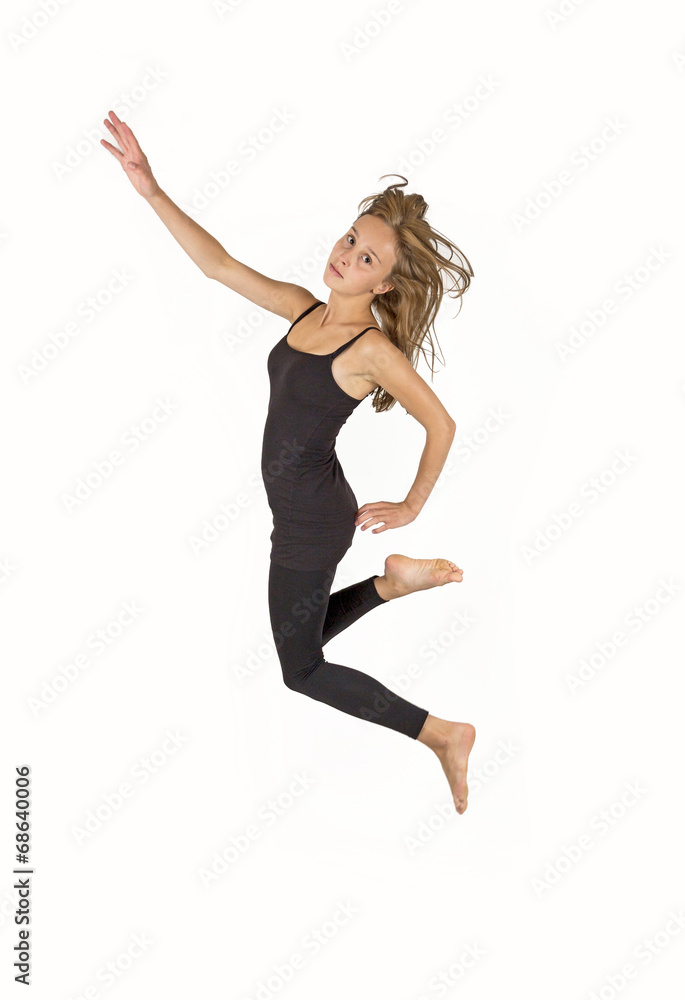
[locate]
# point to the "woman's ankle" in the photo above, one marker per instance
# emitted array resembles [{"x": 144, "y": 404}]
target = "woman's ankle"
[
  {"x": 436, "y": 732},
  {"x": 383, "y": 588}
]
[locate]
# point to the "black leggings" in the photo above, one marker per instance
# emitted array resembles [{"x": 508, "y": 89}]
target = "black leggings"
[{"x": 304, "y": 617}]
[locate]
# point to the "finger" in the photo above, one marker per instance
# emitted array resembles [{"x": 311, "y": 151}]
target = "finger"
[
  {"x": 369, "y": 521},
  {"x": 116, "y": 132},
  {"x": 116, "y": 119},
  {"x": 132, "y": 141},
  {"x": 126, "y": 129},
  {"x": 374, "y": 510},
  {"x": 115, "y": 152},
  {"x": 125, "y": 136}
]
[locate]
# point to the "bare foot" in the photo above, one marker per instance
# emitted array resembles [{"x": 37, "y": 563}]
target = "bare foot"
[
  {"x": 451, "y": 742},
  {"x": 404, "y": 575}
]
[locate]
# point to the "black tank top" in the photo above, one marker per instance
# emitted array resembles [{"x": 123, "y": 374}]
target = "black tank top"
[{"x": 312, "y": 503}]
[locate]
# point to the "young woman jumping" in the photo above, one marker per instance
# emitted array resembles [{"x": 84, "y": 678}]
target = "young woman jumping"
[{"x": 341, "y": 352}]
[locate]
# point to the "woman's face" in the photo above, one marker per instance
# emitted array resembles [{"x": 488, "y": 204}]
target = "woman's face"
[{"x": 363, "y": 257}]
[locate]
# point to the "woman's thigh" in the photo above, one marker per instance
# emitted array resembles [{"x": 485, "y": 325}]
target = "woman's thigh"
[{"x": 298, "y": 601}]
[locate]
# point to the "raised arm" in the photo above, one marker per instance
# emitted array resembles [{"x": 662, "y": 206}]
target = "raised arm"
[{"x": 281, "y": 297}]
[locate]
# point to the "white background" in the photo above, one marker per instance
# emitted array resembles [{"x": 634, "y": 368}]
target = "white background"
[{"x": 500, "y": 901}]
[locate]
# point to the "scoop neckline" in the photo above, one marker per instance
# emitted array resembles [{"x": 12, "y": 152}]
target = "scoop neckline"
[{"x": 311, "y": 354}]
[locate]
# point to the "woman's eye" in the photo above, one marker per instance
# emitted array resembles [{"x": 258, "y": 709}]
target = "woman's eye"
[{"x": 350, "y": 237}]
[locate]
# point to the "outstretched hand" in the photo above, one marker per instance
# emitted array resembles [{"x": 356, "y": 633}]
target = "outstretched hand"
[
  {"x": 386, "y": 513},
  {"x": 131, "y": 157}
]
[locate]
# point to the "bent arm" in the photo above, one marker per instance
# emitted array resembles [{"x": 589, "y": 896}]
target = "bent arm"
[
  {"x": 387, "y": 366},
  {"x": 433, "y": 458}
]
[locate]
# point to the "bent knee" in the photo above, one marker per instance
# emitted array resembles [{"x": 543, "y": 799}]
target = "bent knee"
[
  {"x": 297, "y": 674},
  {"x": 293, "y": 681}
]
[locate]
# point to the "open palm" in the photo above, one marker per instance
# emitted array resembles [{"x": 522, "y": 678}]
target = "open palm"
[{"x": 131, "y": 157}]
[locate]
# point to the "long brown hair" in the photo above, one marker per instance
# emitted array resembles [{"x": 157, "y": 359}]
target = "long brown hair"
[{"x": 407, "y": 312}]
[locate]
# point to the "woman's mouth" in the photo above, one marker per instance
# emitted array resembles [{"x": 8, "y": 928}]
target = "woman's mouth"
[{"x": 335, "y": 271}]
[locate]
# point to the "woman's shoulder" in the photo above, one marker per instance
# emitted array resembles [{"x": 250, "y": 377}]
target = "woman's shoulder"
[{"x": 296, "y": 300}]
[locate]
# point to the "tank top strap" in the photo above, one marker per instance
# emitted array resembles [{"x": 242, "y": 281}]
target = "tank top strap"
[
  {"x": 305, "y": 313},
  {"x": 349, "y": 342}
]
